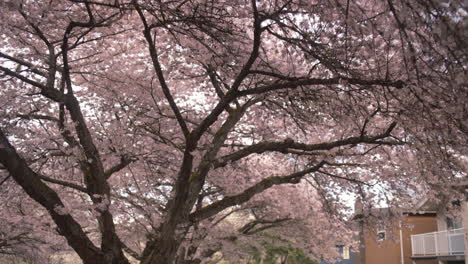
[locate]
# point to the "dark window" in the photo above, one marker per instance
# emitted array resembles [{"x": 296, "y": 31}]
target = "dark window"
[
  {"x": 381, "y": 235},
  {"x": 453, "y": 223}
]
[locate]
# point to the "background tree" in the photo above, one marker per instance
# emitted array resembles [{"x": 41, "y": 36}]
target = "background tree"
[
  {"x": 139, "y": 126},
  {"x": 272, "y": 253}
]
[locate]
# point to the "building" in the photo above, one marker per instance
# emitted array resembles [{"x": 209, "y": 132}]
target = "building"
[
  {"x": 426, "y": 235},
  {"x": 446, "y": 245},
  {"x": 347, "y": 256},
  {"x": 391, "y": 243}
]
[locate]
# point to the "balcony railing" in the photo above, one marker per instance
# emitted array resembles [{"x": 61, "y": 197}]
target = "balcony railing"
[{"x": 442, "y": 243}]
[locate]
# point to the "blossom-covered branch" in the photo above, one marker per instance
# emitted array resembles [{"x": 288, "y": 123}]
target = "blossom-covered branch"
[
  {"x": 289, "y": 145},
  {"x": 160, "y": 128},
  {"x": 300, "y": 82},
  {"x": 246, "y": 195}
]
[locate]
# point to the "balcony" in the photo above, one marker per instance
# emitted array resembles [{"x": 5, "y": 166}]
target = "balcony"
[{"x": 442, "y": 243}]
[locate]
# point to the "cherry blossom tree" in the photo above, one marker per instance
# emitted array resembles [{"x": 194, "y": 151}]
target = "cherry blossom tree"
[{"x": 168, "y": 130}]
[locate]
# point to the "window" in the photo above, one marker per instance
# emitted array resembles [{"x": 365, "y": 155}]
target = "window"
[
  {"x": 381, "y": 235},
  {"x": 454, "y": 223},
  {"x": 345, "y": 252}
]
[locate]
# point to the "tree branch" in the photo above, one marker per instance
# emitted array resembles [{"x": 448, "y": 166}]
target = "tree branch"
[
  {"x": 158, "y": 69},
  {"x": 49, "y": 199},
  {"x": 22, "y": 78},
  {"x": 5, "y": 179},
  {"x": 63, "y": 183},
  {"x": 290, "y": 144},
  {"x": 315, "y": 81},
  {"x": 124, "y": 161},
  {"x": 343, "y": 178},
  {"x": 232, "y": 93},
  {"x": 249, "y": 227},
  {"x": 49, "y": 93},
  {"x": 37, "y": 116},
  {"x": 31, "y": 67},
  {"x": 250, "y": 192}
]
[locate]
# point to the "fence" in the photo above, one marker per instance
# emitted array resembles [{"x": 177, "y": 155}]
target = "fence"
[{"x": 442, "y": 243}]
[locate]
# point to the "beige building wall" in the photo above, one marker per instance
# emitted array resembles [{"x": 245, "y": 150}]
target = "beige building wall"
[
  {"x": 384, "y": 252},
  {"x": 417, "y": 224},
  {"x": 388, "y": 251}
]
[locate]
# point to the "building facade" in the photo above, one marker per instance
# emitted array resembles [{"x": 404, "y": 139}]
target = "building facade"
[
  {"x": 427, "y": 235},
  {"x": 392, "y": 243},
  {"x": 448, "y": 244},
  {"x": 347, "y": 256}
]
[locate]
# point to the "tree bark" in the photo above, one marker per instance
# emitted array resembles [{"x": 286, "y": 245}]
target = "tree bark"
[{"x": 49, "y": 199}]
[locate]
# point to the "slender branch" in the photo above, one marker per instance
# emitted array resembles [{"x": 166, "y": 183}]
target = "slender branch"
[
  {"x": 343, "y": 178},
  {"x": 124, "y": 162},
  {"x": 273, "y": 74},
  {"x": 214, "y": 81},
  {"x": 92, "y": 168},
  {"x": 4, "y": 180},
  {"x": 232, "y": 93},
  {"x": 38, "y": 31},
  {"x": 249, "y": 227},
  {"x": 283, "y": 146},
  {"x": 49, "y": 93},
  {"x": 255, "y": 49},
  {"x": 315, "y": 81},
  {"x": 158, "y": 69},
  {"x": 63, "y": 183},
  {"x": 37, "y": 116},
  {"x": 22, "y": 78},
  {"x": 250, "y": 192},
  {"x": 31, "y": 66},
  {"x": 402, "y": 28},
  {"x": 51, "y": 58},
  {"x": 217, "y": 86}
]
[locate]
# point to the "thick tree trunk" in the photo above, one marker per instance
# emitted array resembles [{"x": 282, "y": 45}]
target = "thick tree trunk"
[
  {"x": 168, "y": 253},
  {"x": 49, "y": 199},
  {"x": 164, "y": 252}
]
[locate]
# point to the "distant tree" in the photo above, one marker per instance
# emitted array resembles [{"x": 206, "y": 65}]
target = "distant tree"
[
  {"x": 276, "y": 254},
  {"x": 138, "y": 126}
]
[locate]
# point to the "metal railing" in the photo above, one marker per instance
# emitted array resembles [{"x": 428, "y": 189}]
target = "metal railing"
[{"x": 442, "y": 243}]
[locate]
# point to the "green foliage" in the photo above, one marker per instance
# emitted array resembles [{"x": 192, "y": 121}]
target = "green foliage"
[{"x": 279, "y": 254}]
